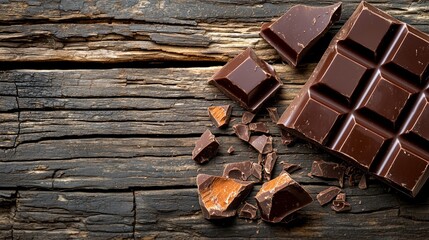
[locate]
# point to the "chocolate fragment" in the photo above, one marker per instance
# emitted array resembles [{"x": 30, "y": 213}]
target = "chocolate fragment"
[
  {"x": 274, "y": 115},
  {"x": 242, "y": 171},
  {"x": 362, "y": 183},
  {"x": 329, "y": 170},
  {"x": 280, "y": 197},
  {"x": 262, "y": 144},
  {"x": 287, "y": 139},
  {"x": 248, "y": 80},
  {"x": 259, "y": 127},
  {"x": 340, "y": 205},
  {"x": 290, "y": 167},
  {"x": 248, "y": 211},
  {"x": 293, "y": 34},
  {"x": 261, "y": 159},
  {"x": 247, "y": 117},
  {"x": 205, "y": 148},
  {"x": 220, "y": 115},
  {"x": 230, "y": 150},
  {"x": 270, "y": 162},
  {"x": 327, "y": 195},
  {"x": 242, "y": 131},
  {"x": 220, "y": 197},
  {"x": 377, "y": 118}
]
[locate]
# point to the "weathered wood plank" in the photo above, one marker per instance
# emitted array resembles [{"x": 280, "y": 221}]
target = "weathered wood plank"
[
  {"x": 7, "y": 210},
  {"x": 121, "y": 31},
  {"x": 73, "y": 215},
  {"x": 172, "y": 213}
]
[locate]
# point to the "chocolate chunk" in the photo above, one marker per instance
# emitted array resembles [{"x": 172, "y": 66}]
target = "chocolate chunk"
[
  {"x": 274, "y": 115},
  {"x": 259, "y": 127},
  {"x": 248, "y": 211},
  {"x": 327, "y": 195},
  {"x": 247, "y": 117},
  {"x": 205, "y": 148},
  {"x": 287, "y": 138},
  {"x": 231, "y": 149},
  {"x": 327, "y": 170},
  {"x": 290, "y": 167},
  {"x": 262, "y": 144},
  {"x": 362, "y": 182},
  {"x": 248, "y": 80},
  {"x": 242, "y": 131},
  {"x": 377, "y": 119},
  {"x": 340, "y": 204},
  {"x": 293, "y": 34},
  {"x": 341, "y": 197},
  {"x": 261, "y": 159},
  {"x": 270, "y": 162},
  {"x": 220, "y": 197},
  {"x": 242, "y": 171},
  {"x": 280, "y": 197},
  {"x": 220, "y": 115}
]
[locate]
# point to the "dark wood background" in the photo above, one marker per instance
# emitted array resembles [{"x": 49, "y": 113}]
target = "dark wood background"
[{"x": 101, "y": 103}]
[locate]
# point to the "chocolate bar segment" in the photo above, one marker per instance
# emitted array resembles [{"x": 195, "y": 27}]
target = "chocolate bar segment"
[
  {"x": 248, "y": 80},
  {"x": 293, "y": 34},
  {"x": 220, "y": 197},
  {"x": 367, "y": 101}
]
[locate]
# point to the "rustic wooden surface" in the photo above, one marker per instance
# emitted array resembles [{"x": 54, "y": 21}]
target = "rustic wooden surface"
[{"x": 100, "y": 151}]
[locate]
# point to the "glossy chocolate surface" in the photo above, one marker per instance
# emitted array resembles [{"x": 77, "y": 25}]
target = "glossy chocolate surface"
[
  {"x": 293, "y": 34},
  {"x": 248, "y": 80},
  {"x": 367, "y": 101}
]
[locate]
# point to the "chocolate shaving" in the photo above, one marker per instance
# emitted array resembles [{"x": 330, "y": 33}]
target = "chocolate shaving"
[
  {"x": 231, "y": 149},
  {"x": 363, "y": 183},
  {"x": 340, "y": 205}
]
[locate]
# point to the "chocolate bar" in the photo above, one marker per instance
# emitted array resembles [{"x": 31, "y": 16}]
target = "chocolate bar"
[
  {"x": 248, "y": 80},
  {"x": 367, "y": 100}
]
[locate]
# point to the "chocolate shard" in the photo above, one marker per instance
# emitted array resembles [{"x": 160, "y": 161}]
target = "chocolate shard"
[
  {"x": 242, "y": 171},
  {"x": 287, "y": 139},
  {"x": 258, "y": 127},
  {"x": 248, "y": 211},
  {"x": 362, "y": 183},
  {"x": 293, "y": 34},
  {"x": 263, "y": 144},
  {"x": 340, "y": 205},
  {"x": 327, "y": 195},
  {"x": 257, "y": 171},
  {"x": 261, "y": 159},
  {"x": 220, "y": 115},
  {"x": 280, "y": 197},
  {"x": 231, "y": 150},
  {"x": 341, "y": 197},
  {"x": 205, "y": 148},
  {"x": 242, "y": 131},
  {"x": 247, "y": 80},
  {"x": 377, "y": 118},
  {"x": 290, "y": 167},
  {"x": 274, "y": 115},
  {"x": 247, "y": 117},
  {"x": 328, "y": 170},
  {"x": 270, "y": 162},
  {"x": 220, "y": 197}
]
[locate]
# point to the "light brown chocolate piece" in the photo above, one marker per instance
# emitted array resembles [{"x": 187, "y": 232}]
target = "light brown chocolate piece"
[
  {"x": 220, "y": 115},
  {"x": 290, "y": 167},
  {"x": 220, "y": 197}
]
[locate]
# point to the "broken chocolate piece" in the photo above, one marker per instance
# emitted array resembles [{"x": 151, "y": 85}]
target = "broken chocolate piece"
[
  {"x": 248, "y": 211},
  {"x": 287, "y": 139},
  {"x": 242, "y": 171},
  {"x": 293, "y": 34},
  {"x": 270, "y": 162},
  {"x": 290, "y": 167},
  {"x": 280, "y": 197},
  {"x": 262, "y": 144},
  {"x": 231, "y": 149},
  {"x": 248, "y": 80},
  {"x": 220, "y": 197},
  {"x": 340, "y": 204},
  {"x": 274, "y": 115},
  {"x": 261, "y": 159},
  {"x": 242, "y": 131},
  {"x": 247, "y": 117},
  {"x": 362, "y": 182},
  {"x": 341, "y": 197},
  {"x": 220, "y": 115},
  {"x": 205, "y": 148},
  {"x": 328, "y": 195},
  {"x": 329, "y": 170},
  {"x": 259, "y": 127},
  {"x": 257, "y": 171}
]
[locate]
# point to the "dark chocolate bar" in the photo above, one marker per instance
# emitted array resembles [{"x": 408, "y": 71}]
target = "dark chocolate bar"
[{"x": 367, "y": 101}]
